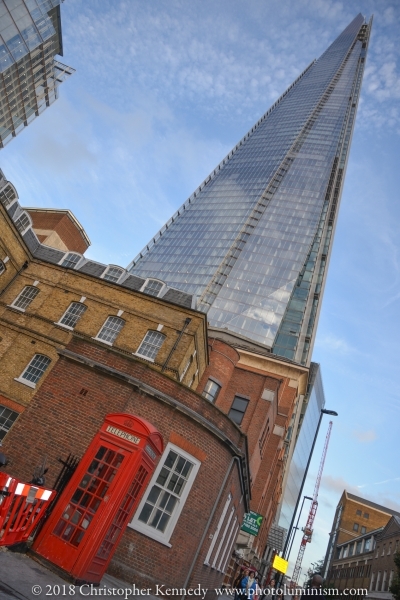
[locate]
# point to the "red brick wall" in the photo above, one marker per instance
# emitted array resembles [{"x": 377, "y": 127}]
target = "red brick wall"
[{"x": 61, "y": 419}]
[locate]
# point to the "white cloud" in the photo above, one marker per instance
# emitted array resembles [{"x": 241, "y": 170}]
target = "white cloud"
[
  {"x": 365, "y": 436},
  {"x": 335, "y": 344}
]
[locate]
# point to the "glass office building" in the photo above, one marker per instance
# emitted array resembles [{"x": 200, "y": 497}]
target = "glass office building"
[
  {"x": 252, "y": 243},
  {"x": 304, "y": 435},
  {"x": 30, "y": 38}
]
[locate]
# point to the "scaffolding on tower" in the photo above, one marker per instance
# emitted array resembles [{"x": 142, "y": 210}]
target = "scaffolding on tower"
[{"x": 308, "y": 530}]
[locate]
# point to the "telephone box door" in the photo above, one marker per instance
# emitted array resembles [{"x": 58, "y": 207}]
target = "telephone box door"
[{"x": 87, "y": 522}]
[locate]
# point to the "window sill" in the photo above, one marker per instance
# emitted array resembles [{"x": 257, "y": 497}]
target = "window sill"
[
  {"x": 25, "y": 382},
  {"x": 16, "y": 308},
  {"x": 64, "y": 326},
  {"x": 102, "y": 341},
  {"x": 150, "y": 533},
  {"x": 144, "y": 357}
]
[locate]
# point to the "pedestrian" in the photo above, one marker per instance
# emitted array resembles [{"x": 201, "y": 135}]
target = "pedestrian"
[
  {"x": 250, "y": 586},
  {"x": 316, "y": 584},
  {"x": 267, "y": 591},
  {"x": 240, "y": 584},
  {"x": 258, "y": 590}
]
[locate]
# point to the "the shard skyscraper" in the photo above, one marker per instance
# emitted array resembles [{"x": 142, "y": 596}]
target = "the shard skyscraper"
[{"x": 253, "y": 242}]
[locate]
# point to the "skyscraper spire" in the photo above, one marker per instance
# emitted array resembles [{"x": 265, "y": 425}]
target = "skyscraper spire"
[{"x": 253, "y": 242}]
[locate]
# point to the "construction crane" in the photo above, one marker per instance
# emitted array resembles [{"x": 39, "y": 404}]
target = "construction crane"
[{"x": 308, "y": 530}]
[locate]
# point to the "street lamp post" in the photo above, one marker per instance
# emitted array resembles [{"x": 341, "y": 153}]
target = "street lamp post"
[
  {"x": 297, "y": 525},
  {"x": 323, "y": 412}
]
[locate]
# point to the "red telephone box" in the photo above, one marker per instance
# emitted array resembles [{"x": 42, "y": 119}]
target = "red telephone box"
[{"x": 91, "y": 515}]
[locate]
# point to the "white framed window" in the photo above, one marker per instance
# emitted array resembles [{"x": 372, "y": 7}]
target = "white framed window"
[
  {"x": 152, "y": 287},
  {"x": 7, "y": 420},
  {"x": 34, "y": 371},
  {"x": 70, "y": 260},
  {"x": 2, "y": 267},
  {"x": 150, "y": 345},
  {"x": 72, "y": 315},
  {"x": 165, "y": 497},
  {"x": 211, "y": 390},
  {"x": 22, "y": 222},
  {"x": 8, "y": 195},
  {"x": 24, "y": 298},
  {"x": 110, "y": 330},
  {"x": 113, "y": 274}
]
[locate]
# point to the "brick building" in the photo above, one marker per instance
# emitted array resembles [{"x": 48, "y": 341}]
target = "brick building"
[
  {"x": 80, "y": 340},
  {"x": 383, "y": 568},
  {"x": 259, "y": 392},
  {"x": 355, "y": 519}
]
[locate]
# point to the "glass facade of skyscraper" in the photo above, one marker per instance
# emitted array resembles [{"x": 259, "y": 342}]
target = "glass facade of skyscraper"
[
  {"x": 252, "y": 243},
  {"x": 305, "y": 433},
  {"x": 30, "y": 37}
]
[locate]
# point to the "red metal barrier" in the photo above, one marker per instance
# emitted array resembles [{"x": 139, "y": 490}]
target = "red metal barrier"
[{"x": 21, "y": 507}]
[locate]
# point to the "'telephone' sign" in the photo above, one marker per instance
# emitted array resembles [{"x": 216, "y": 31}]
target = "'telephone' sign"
[
  {"x": 280, "y": 564},
  {"x": 252, "y": 523}
]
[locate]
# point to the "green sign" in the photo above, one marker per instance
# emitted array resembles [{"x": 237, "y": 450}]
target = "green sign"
[{"x": 252, "y": 523}]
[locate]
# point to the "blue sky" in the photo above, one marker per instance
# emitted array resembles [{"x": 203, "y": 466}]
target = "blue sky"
[{"x": 163, "y": 90}]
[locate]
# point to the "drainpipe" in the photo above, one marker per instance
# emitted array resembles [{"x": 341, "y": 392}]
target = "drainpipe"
[
  {"x": 178, "y": 339},
  {"x": 24, "y": 266},
  {"x": 214, "y": 508}
]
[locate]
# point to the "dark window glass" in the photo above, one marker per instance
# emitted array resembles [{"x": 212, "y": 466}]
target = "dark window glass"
[
  {"x": 211, "y": 390},
  {"x": 238, "y": 409}
]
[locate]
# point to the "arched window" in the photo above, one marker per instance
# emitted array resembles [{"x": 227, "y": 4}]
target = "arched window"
[
  {"x": 34, "y": 371},
  {"x": 113, "y": 274},
  {"x": 24, "y": 298},
  {"x": 152, "y": 287},
  {"x": 151, "y": 343},
  {"x": 23, "y": 222},
  {"x": 7, "y": 195},
  {"x": 70, "y": 260},
  {"x": 110, "y": 330},
  {"x": 72, "y": 314}
]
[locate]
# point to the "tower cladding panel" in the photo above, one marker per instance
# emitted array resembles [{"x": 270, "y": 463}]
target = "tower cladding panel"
[{"x": 253, "y": 242}]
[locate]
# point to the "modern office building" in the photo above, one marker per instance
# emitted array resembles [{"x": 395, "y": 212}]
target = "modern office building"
[
  {"x": 299, "y": 440},
  {"x": 30, "y": 38},
  {"x": 253, "y": 242}
]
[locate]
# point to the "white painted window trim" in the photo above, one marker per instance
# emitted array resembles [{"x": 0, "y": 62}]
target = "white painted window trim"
[
  {"x": 144, "y": 357},
  {"x": 228, "y": 549},
  {"x": 18, "y": 216},
  {"x": 123, "y": 272},
  {"x": 105, "y": 341},
  {"x": 25, "y": 382},
  {"x": 81, "y": 301},
  {"x": 81, "y": 261},
  {"x": 164, "y": 538},
  {"x": 216, "y": 555},
  {"x": 162, "y": 289},
  {"x": 12, "y": 305},
  {"x": 215, "y": 536}
]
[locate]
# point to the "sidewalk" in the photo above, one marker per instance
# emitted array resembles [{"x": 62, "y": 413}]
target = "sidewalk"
[{"x": 22, "y": 578}]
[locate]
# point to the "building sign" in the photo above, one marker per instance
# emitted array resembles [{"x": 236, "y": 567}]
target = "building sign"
[
  {"x": 280, "y": 564},
  {"x": 252, "y": 523},
  {"x": 123, "y": 434}
]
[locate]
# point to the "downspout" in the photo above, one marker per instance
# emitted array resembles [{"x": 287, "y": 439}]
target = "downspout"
[
  {"x": 214, "y": 508},
  {"x": 178, "y": 339},
  {"x": 24, "y": 266}
]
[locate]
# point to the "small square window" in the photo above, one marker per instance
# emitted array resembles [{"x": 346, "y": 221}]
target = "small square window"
[
  {"x": 358, "y": 513},
  {"x": 366, "y": 515},
  {"x": 363, "y": 530},
  {"x": 355, "y": 527}
]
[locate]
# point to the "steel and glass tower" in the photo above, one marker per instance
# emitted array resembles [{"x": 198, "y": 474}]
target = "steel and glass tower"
[
  {"x": 252, "y": 243},
  {"x": 30, "y": 37}
]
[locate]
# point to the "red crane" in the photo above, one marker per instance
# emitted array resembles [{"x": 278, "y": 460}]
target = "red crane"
[{"x": 308, "y": 530}]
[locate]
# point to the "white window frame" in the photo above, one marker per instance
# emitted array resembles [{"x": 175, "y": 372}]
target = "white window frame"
[
  {"x": 101, "y": 328},
  {"x": 11, "y": 202},
  {"x": 76, "y": 264},
  {"x": 26, "y": 382},
  {"x": 137, "y": 353},
  {"x": 122, "y": 273},
  {"x": 151, "y": 532},
  {"x": 18, "y": 217},
  {"x": 30, "y": 285},
  {"x": 216, "y": 534},
  {"x": 81, "y": 301},
  {"x": 164, "y": 285}
]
